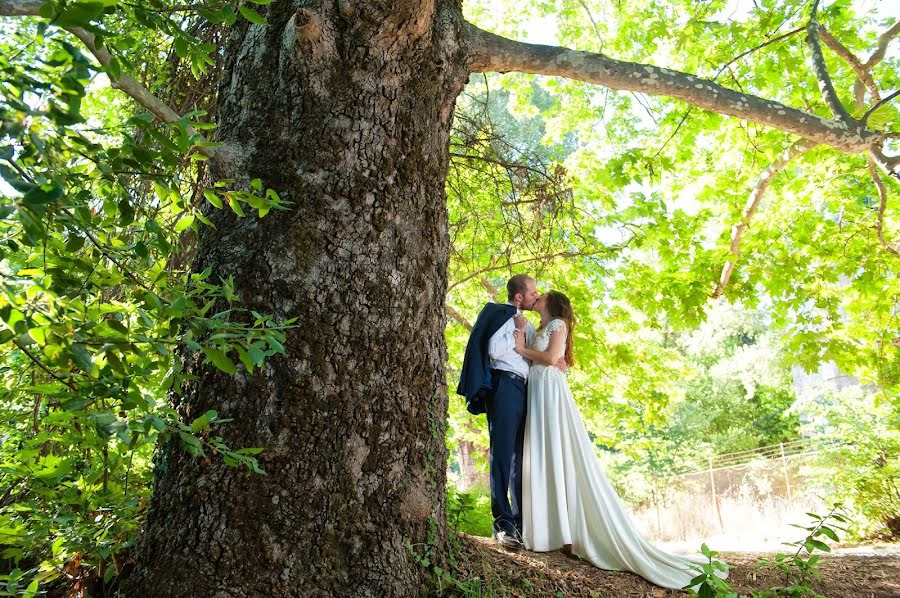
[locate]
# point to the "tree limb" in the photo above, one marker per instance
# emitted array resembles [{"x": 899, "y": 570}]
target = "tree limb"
[
  {"x": 876, "y": 57},
  {"x": 19, "y": 8},
  {"x": 753, "y": 201},
  {"x": 41, "y": 365},
  {"x": 125, "y": 83},
  {"x": 863, "y": 75},
  {"x": 882, "y": 206},
  {"x": 888, "y": 163},
  {"x": 489, "y": 52},
  {"x": 883, "y": 40},
  {"x": 878, "y": 105},
  {"x": 490, "y": 288},
  {"x": 820, "y": 69},
  {"x": 458, "y": 318},
  {"x": 550, "y": 257}
]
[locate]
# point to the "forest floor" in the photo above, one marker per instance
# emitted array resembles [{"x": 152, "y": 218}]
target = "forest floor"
[{"x": 868, "y": 572}]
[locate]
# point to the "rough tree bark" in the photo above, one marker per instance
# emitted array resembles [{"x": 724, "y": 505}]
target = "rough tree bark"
[{"x": 345, "y": 109}]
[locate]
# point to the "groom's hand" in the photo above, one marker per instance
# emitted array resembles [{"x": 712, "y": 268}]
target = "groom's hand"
[{"x": 561, "y": 365}]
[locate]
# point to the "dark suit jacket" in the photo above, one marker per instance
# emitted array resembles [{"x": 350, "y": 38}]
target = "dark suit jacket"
[{"x": 475, "y": 377}]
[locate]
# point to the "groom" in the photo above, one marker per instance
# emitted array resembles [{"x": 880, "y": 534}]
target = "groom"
[{"x": 493, "y": 381}]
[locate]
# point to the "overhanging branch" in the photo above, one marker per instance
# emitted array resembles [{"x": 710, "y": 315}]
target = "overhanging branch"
[
  {"x": 878, "y": 105},
  {"x": 125, "y": 83},
  {"x": 458, "y": 317},
  {"x": 877, "y": 56},
  {"x": 888, "y": 163},
  {"x": 489, "y": 52},
  {"x": 882, "y": 206},
  {"x": 20, "y": 8},
  {"x": 863, "y": 75},
  {"x": 820, "y": 69},
  {"x": 881, "y": 49},
  {"x": 753, "y": 201}
]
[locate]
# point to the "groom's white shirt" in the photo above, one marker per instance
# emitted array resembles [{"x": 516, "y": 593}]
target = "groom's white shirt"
[{"x": 502, "y": 348}]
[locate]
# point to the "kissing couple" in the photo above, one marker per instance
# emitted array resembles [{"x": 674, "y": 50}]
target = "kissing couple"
[{"x": 548, "y": 489}]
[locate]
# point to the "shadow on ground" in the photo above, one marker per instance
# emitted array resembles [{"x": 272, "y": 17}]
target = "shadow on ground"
[{"x": 502, "y": 572}]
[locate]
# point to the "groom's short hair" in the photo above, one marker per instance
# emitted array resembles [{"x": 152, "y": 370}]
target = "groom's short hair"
[{"x": 517, "y": 284}]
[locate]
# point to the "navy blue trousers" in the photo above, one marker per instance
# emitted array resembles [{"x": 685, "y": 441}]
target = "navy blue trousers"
[{"x": 506, "y": 408}]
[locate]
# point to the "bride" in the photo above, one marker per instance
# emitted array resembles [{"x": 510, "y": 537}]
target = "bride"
[{"x": 567, "y": 498}]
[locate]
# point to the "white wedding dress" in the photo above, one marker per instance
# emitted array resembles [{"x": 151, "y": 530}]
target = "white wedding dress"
[{"x": 567, "y": 498}]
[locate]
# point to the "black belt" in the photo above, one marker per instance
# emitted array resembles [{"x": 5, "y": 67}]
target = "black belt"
[{"x": 509, "y": 374}]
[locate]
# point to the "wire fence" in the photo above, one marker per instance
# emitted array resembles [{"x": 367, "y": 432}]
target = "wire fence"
[{"x": 749, "y": 499}]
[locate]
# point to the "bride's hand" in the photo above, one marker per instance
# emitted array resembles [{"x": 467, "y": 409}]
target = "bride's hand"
[
  {"x": 519, "y": 336},
  {"x": 561, "y": 365}
]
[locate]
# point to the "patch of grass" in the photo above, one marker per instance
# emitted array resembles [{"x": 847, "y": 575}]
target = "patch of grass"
[{"x": 470, "y": 511}]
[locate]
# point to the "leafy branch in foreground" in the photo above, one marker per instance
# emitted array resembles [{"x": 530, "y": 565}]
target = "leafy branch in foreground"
[
  {"x": 98, "y": 210},
  {"x": 799, "y": 570}
]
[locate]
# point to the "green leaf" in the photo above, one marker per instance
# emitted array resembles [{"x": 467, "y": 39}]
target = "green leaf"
[
  {"x": 235, "y": 205},
  {"x": 250, "y": 451},
  {"x": 820, "y": 545},
  {"x": 828, "y": 532},
  {"x": 114, "y": 69},
  {"x": 191, "y": 443},
  {"x": 204, "y": 220},
  {"x": 43, "y": 194},
  {"x": 181, "y": 48},
  {"x": 251, "y": 15},
  {"x": 212, "y": 198},
  {"x": 184, "y": 222},
  {"x": 220, "y": 360},
  {"x": 204, "y": 420}
]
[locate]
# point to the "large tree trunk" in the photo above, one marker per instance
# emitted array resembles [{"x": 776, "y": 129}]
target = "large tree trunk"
[{"x": 345, "y": 110}]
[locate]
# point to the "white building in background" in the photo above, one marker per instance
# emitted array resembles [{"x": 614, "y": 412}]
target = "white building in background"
[{"x": 828, "y": 377}]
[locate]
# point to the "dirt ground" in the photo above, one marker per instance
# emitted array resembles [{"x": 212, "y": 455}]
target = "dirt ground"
[{"x": 502, "y": 572}]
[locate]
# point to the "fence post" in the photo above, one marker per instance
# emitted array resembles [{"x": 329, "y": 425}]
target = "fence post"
[
  {"x": 712, "y": 485},
  {"x": 787, "y": 481}
]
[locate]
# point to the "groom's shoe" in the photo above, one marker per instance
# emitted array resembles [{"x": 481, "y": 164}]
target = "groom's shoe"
[{"x": 508, "y": 540}]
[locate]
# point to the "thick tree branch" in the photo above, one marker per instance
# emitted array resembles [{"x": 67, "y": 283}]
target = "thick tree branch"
[
  {"x": 863, "y": 75},
  {"x": 550, "y": 257},
  {"x": 878, "y": 105},
  {"x": 888, "y": 163},
  {"x": 490, "y": 288},
  {"x": 882, "y": 206},
  {"x": 883, "y": 40},
  {"x": 458, "y": 318},
  {"x": 489, "y": 52},
  {"x": 820, "y": 69},
  {"x": 753, "y": 201},
  {"x": 19, "y": 8},
  {"x": 137, "y": 91},
  {"x": 125, "y": 83}
]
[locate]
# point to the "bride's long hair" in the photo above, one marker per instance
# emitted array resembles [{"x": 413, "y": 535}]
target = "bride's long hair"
[{"x": 560, "y": 307}]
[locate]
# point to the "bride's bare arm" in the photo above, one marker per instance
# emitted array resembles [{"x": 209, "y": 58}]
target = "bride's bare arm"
[{"x": 548, "y": 357}]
